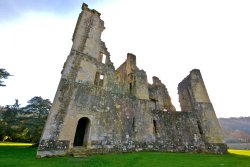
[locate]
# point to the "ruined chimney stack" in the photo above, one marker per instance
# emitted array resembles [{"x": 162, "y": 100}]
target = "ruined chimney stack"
[
  {"x": 131, "y": 62},
  {"x": 84, "y": 6},
  {"x": 156, "y": 81}
]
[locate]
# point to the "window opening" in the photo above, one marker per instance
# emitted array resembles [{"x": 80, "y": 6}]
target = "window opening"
[
  {"x": 133, "y": 124},
  {"x": 131, "y": 81},
  {"x": 102, "y": 58},
  {"x": 199, "y": 127},
  {"x": 99, "y": 79},
  {"x": 154, "y": 104},
  {"x": 154, "y": 127},
  {"x": 130, "y": 88}
]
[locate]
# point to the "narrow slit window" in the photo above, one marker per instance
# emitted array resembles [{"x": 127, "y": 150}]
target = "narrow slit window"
[
  {"x": 130, "y": 88},
  {"x": 154, "y": 127},
  {"x": 199, "y": 127},
  {"x": 133, "y": 125}
]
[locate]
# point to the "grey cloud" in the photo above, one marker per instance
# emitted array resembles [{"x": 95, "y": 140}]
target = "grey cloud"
[{"x": 10, "y": 9}]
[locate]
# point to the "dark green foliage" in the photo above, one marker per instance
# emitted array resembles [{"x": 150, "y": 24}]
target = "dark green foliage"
[
  {"x": 24, "y": 124},
  {"x": 3, "y": 75},
  {"x": 8, "y": 121},
  {"x": 38, "y": 106},
  {"x": 25, "y": 157}
]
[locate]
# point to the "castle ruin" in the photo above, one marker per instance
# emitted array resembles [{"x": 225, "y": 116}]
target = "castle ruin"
[{"x": 100, "y": 109}]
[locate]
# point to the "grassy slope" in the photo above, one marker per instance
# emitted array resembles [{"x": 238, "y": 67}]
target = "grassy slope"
[{"x": 25, "y": 157}]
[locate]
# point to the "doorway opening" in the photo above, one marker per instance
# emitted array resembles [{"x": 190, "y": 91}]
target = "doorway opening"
[{"x": 82, "y": 132}]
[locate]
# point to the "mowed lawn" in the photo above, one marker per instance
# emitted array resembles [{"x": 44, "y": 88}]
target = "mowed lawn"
[{"x": 26, "y": 157}]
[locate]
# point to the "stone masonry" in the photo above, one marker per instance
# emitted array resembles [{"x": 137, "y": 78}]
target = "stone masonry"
[{"x": 100, "y": 109}]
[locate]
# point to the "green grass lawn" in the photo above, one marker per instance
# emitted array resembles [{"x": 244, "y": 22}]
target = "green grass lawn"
[{"x": 25, "y": 157}]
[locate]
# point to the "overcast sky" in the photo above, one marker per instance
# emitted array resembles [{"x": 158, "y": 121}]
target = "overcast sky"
[{"x": 169, "y": 38}]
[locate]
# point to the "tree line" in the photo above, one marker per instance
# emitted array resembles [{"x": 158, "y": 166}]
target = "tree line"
[{"x": 22, "y": 124}]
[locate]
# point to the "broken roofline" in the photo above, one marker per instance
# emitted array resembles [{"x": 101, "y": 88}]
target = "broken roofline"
[{"x": 104, "y": 110}]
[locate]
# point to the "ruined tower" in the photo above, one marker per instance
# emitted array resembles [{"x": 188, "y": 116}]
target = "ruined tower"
[
  {"x": 100, "y": 109},
  {"x": 193, "y": 97}
]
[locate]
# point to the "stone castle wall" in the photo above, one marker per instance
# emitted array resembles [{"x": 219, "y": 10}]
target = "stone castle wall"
[{"x": 101, "y": 109}]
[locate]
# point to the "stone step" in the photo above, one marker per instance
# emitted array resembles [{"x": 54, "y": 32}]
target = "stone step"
[
  {"x": 78, "y": 152},
  {"x": 79, "y": 155},
  {"x": 78, "y": 149}
]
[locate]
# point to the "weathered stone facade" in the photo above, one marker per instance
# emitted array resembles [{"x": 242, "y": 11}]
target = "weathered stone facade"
[{"x": 98, "y": 109}]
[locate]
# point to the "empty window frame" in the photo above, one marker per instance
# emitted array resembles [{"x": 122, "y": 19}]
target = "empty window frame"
[
  {"x": 102, "y": 58},
  {"x": 99, "y": 79}
]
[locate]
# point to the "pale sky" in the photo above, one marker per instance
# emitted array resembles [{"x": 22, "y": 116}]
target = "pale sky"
[{"x": 169, "y": 38}]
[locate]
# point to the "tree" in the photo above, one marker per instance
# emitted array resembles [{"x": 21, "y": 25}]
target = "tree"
[
  {"x": 39, "y": 106},
  {"x": 3, "y": 75},
  {"x": 38, "y": 109},
  {"x": 24, "y": 124},
  {"x": 11, "y": 111},
  {"x": 9, "y": 121}
]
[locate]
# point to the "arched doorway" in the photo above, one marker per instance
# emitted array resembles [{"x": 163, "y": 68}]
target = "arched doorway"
[{"x": 82, "y": 132}]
